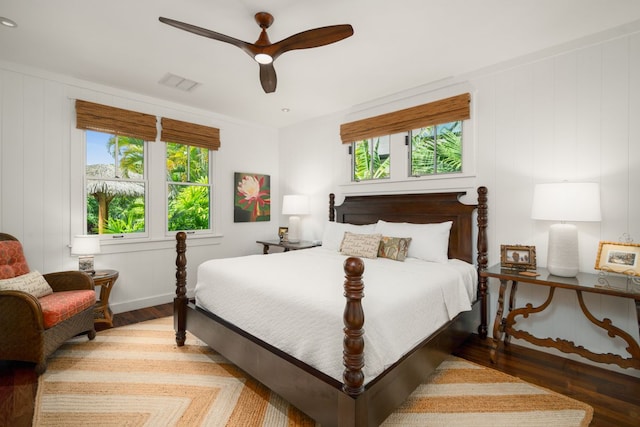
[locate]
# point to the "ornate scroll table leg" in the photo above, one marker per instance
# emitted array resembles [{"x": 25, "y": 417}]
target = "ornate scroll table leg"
[
  {"x": 512, "y": 304},
  {"x": 498, "y": 326}
]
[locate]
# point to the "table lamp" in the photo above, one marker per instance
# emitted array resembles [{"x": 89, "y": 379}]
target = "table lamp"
[
  {"x": 85, "y": 246},
  {"x": 295, "y": 205},
  {"x": 565, "y": 202}
]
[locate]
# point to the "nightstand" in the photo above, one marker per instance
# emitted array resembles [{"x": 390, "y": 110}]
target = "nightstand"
[
  {"x": 105, "y": 279},
  {"x": 288, "y": 246}
]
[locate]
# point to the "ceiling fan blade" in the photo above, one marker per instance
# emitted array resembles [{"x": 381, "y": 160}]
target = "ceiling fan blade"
[
  {"x": 310, "y": 38},
  {"x": 247, "y": 47},
  {"x": 268, "y": 77}
]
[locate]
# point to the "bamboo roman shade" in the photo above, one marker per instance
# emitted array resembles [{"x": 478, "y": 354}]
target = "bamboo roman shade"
[
  {"x": 190, "y": 134},
  {"x": 115, "y": 120},
  {"x": 437, "y": 112}
]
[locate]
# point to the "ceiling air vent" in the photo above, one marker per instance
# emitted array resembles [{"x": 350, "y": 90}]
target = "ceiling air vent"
[{"x": 178, "y": 82}]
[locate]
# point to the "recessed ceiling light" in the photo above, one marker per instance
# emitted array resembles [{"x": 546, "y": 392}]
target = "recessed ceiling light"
[
  {"x": 7, "y": 22},
  {"x": 285, "y": 110}
]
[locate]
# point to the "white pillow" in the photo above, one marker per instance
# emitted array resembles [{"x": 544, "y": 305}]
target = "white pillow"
[
  {"x": 32, "y": 283},
  {"x": 429, "y": 242},
  {"x": 334, "y": 233}
]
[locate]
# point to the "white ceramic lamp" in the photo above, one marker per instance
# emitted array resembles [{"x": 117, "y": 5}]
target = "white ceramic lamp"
[
  {"x": 295, "y": 205},
  {"x": 85, "y": 247},
  {"x": 565, "y": 202}
]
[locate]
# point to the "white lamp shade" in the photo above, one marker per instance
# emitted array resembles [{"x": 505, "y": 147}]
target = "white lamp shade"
[
  {"x": 566, "y": 201},
  {"x": 295, "y": 204},
  {"x": 85, "y": 245}
]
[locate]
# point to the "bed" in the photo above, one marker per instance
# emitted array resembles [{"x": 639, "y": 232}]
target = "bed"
[{"x": 357, "y": 397}]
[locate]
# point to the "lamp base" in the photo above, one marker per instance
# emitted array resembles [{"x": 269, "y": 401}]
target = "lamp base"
[
  {"x": 562, "y": 256},
  {"x": 294, "y": 229}
]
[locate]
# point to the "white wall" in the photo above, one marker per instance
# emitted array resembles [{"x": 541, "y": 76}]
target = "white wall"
[
  {"x": 40, "y": 183},
  {"x": 571, "y": 114}
]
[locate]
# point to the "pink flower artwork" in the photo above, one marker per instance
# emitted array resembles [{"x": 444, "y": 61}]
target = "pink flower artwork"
[{"x": 252, "y": 201}]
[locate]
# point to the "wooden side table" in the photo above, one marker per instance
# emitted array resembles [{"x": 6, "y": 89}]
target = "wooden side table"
[
  {"x": 288, "y": 246},
  {"x": 504, "y": 326},
  {"x": 105, "y": 279}
]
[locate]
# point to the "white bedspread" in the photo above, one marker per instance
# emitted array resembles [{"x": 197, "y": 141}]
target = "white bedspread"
[{"x": 295, "y": 302}]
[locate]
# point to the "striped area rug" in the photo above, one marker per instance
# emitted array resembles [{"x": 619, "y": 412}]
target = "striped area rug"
[{"x": 136, "y": 376}]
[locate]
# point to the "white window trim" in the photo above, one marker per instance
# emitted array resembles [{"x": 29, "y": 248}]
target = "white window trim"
[{"x": 155, "y": 236}]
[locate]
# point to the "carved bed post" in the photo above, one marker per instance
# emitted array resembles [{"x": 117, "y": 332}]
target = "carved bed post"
[
  {"x": 353, "y": 344},
  {"x": 482, "y": 259},
  {"x": 332, "y": 207},
  {"x": 180, "y": 300}
]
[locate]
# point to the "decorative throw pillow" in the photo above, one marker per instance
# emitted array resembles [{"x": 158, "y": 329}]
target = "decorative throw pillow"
[
  {"x": 362, "y": 245},
  {"x": 12, "y": 261},
  {"x": 395, "y": 248},
  {"x": 32, "y": 283}
]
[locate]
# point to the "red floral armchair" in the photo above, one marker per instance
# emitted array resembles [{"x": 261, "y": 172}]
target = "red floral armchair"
[{"x": 40, "y": 312}]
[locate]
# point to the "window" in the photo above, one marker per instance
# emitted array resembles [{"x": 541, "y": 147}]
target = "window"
[
  {"x": 188, "y": 189},
  {"x": 115, "y": 184},
  {"x": 434, "y": 143},
  {"x": 126, "y": 171},
  {"x": 371, "y": 159},
  {"x": 436, "y": 149}
]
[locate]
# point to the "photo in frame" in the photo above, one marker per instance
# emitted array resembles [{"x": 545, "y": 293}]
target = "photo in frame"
[
  {"x": 282, "y": 233},
  {"x": 619, "y": 257},
  {"x": 518, "y": 257}
]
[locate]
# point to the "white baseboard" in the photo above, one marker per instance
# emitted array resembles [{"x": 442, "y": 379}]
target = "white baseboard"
[{"x": 121, "y": 307}]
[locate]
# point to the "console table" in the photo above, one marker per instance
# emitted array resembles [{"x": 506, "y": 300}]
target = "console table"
[{"x": 504, "y": 326}]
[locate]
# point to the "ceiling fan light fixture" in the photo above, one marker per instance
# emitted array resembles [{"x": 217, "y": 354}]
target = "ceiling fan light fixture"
[
  {"x": 307, "y": 39},
  {"x": 263, "y": 58},
  {"x": 7, "y": 22}
]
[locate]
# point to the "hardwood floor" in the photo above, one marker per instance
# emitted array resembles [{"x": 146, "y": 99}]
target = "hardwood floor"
[{"x": 614, "y": 397}]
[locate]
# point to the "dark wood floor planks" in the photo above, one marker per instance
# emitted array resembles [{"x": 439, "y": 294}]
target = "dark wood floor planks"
[{"x": 614, "y": 397}]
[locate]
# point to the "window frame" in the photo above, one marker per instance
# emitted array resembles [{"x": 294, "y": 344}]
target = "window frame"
[
  {"x": 435, "y": 172},
  {"x": 208, "y": 231},
  {"x": 145, "y": 180},
  {"x": 353, "y": 151},
  {"x": 156, "y": 236}
]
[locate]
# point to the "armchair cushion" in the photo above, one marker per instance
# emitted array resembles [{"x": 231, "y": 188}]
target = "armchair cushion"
[
  {"x": 12, "y": 260},
  {"x": 33, "y": 283},
  {"x": 60, "y": 306}
]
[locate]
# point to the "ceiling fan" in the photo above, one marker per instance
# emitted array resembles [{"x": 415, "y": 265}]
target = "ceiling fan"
[{"x": 263, "y": 51}]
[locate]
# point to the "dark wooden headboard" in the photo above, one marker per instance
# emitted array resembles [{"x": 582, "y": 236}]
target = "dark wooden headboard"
[{"x": 415, "y": 208}]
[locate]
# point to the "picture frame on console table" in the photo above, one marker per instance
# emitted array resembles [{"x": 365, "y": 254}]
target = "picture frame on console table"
[
  {"x": 619, "y": 257},
  {"x": 282, "y": 233},
  {"x": 518, "y": 257}
]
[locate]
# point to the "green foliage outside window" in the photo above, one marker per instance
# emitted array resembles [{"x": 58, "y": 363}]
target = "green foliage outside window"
[
  {"x": 371, "y": 159},
  {"x": 188, "y": 188},
  {"x": 437, "y": 149},
  {"x": 115, "y": 184}
]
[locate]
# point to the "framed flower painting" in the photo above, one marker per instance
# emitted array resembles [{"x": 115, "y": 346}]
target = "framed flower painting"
[{"x": 252, "y": 197}]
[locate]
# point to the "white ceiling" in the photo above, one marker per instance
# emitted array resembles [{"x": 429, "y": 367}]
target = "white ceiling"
[{"x": 396, "y": 46}]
